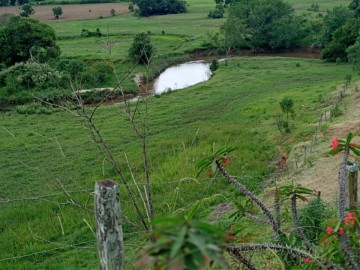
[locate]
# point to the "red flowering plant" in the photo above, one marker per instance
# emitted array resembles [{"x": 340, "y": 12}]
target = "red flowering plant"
[
  {"x": 339, "y": 145},
  {"x": 334, "y": 231}
]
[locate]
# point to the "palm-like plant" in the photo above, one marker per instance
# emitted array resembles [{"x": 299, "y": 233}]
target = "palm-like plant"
[{"x": 293, "y": 193}]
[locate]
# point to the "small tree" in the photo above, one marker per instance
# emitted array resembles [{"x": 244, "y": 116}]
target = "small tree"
[
  {"x": 27, "y": 10},
  {"x": 113, "y": 12},
  {"x": 287, "y": 106},
  {"x": 57, "y": 11},
  {"x": 141, "y": 50}
]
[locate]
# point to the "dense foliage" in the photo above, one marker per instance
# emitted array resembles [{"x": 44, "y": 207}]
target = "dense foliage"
[
  {"x": 22, "y": 38},
  {"x": 27, "y": 10},
  {"x": 141, "y": 51},
  {"x": 12, "y": 2},
  {"x": 262, "y": 24},
  {"x": 219, "y": 10},
  {"x": 155, "y": 7},
  {"x": 57, "y": 11}
]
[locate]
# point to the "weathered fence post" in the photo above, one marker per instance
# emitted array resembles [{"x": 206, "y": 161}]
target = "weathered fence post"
[
  {"x": 109, "y": 232},
  {"x": 352, "y": 185}
]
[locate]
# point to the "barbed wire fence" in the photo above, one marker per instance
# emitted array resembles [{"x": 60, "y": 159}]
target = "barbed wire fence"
[{"x": 267, "y": 180}]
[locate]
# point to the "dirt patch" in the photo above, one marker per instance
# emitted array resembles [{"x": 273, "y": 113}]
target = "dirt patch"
[
  {"x": 71, "y": 12},
  {"x": 322, "y": 171}
]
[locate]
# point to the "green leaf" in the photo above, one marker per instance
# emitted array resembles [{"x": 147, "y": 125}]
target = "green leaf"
[
  {"x": 213, "y": 166},
  {"x": 179, "y": 242},
  {"x": 198, "y": 257},
  {"x": 194, "y": 209},
  {"x": 349, "y": 137},
  {"x": 198, "y": 240},
  {"x": 189, "y": 262},
  {"x": 337, "y": 226},
  {"x": 355, "y": 151},
  {"x": 303, "y": 190}
]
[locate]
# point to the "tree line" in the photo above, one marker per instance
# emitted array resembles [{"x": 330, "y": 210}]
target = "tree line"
[{"x": 263, "y": 25}]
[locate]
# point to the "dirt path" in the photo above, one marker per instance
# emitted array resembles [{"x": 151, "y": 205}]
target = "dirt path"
[
  {"x": 322, "y": 174},
  {"x": 71, "y": 12}
]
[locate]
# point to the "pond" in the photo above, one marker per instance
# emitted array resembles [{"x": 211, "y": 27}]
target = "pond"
[{"x": 182, "y": 76}]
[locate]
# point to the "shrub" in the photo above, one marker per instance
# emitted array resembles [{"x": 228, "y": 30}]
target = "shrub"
[
  {"x": 311, "y": 216},
  {"x": 97, "y": 73},
  {"x": 141, "y": 50},
  {"x": 87, "y": 33},
  {"x": 214, "y": 65},
  {"x": 30, "y": 74},
  {"x": 71, "y": 67},
  {"x": 217, "y": 13},
  {"x": 150, "y": 7}
]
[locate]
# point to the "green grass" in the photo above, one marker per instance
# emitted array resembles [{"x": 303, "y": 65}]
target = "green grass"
[{"x": 236, "y": 107}]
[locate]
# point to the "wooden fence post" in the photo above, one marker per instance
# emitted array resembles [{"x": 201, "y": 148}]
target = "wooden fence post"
[
  {"x": 352, "y": 185},
  {"x": 109, "y": 232}
]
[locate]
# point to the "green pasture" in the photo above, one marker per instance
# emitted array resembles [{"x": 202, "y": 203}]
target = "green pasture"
[
  {"x": 301, "y": 6},
  {"x": 42, "y": 154}
]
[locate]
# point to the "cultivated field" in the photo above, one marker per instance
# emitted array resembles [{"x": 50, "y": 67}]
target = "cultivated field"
[{"x": 71, "y": 12}]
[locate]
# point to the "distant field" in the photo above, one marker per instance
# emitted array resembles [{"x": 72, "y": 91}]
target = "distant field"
[
  {"x": 303, "y": 5},
  {"x": 71, "y": 12}
]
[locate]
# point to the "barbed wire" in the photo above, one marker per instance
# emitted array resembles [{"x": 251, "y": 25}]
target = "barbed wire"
[
  {"x": 60, "y": 248},
  {"x": 44, "y": 197}
]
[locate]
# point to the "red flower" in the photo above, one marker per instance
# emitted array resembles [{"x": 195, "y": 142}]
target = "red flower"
[
  {"x": 350, "y": 218},
  {"x": 334, "y": 143},
  {"x": 329, "y": 230},
  {"x": 341, "y": 230},
  {"x": 308, "y": 260}
]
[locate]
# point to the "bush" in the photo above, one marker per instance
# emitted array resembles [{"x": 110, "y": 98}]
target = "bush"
[
  {"x": 141, "y": 50},
  {"x": 71, "y": 67},
  {"x": 29, "y": 75},
  {"x": 214, "y": 65},
  {"x": 314, "y": 7},
  {"x": 98, "y": 73},
  {"x": 311, "y": 216},
  {"x": 87, "y": 33},
  {"x": 150, "y": 7},
  {"x": 217, "y": 13}
]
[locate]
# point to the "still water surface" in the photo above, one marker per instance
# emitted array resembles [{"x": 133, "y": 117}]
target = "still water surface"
[{"x": 182, "y": 76}]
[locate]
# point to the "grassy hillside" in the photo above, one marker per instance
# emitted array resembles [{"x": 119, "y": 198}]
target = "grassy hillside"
[
  {"x": 43, "y": 154},
  {"x": 236, "y": 108}
]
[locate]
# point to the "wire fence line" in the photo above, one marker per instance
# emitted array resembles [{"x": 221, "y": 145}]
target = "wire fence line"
[
  {"x": 267, "y": 178},
  {"x": 69, "y": 246}
]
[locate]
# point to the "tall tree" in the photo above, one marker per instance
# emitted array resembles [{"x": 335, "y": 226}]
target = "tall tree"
[
  {"x": 263, "y": 24},
  {"x": 23, "y": 37},
  {"x": 334, "y": 19}
]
